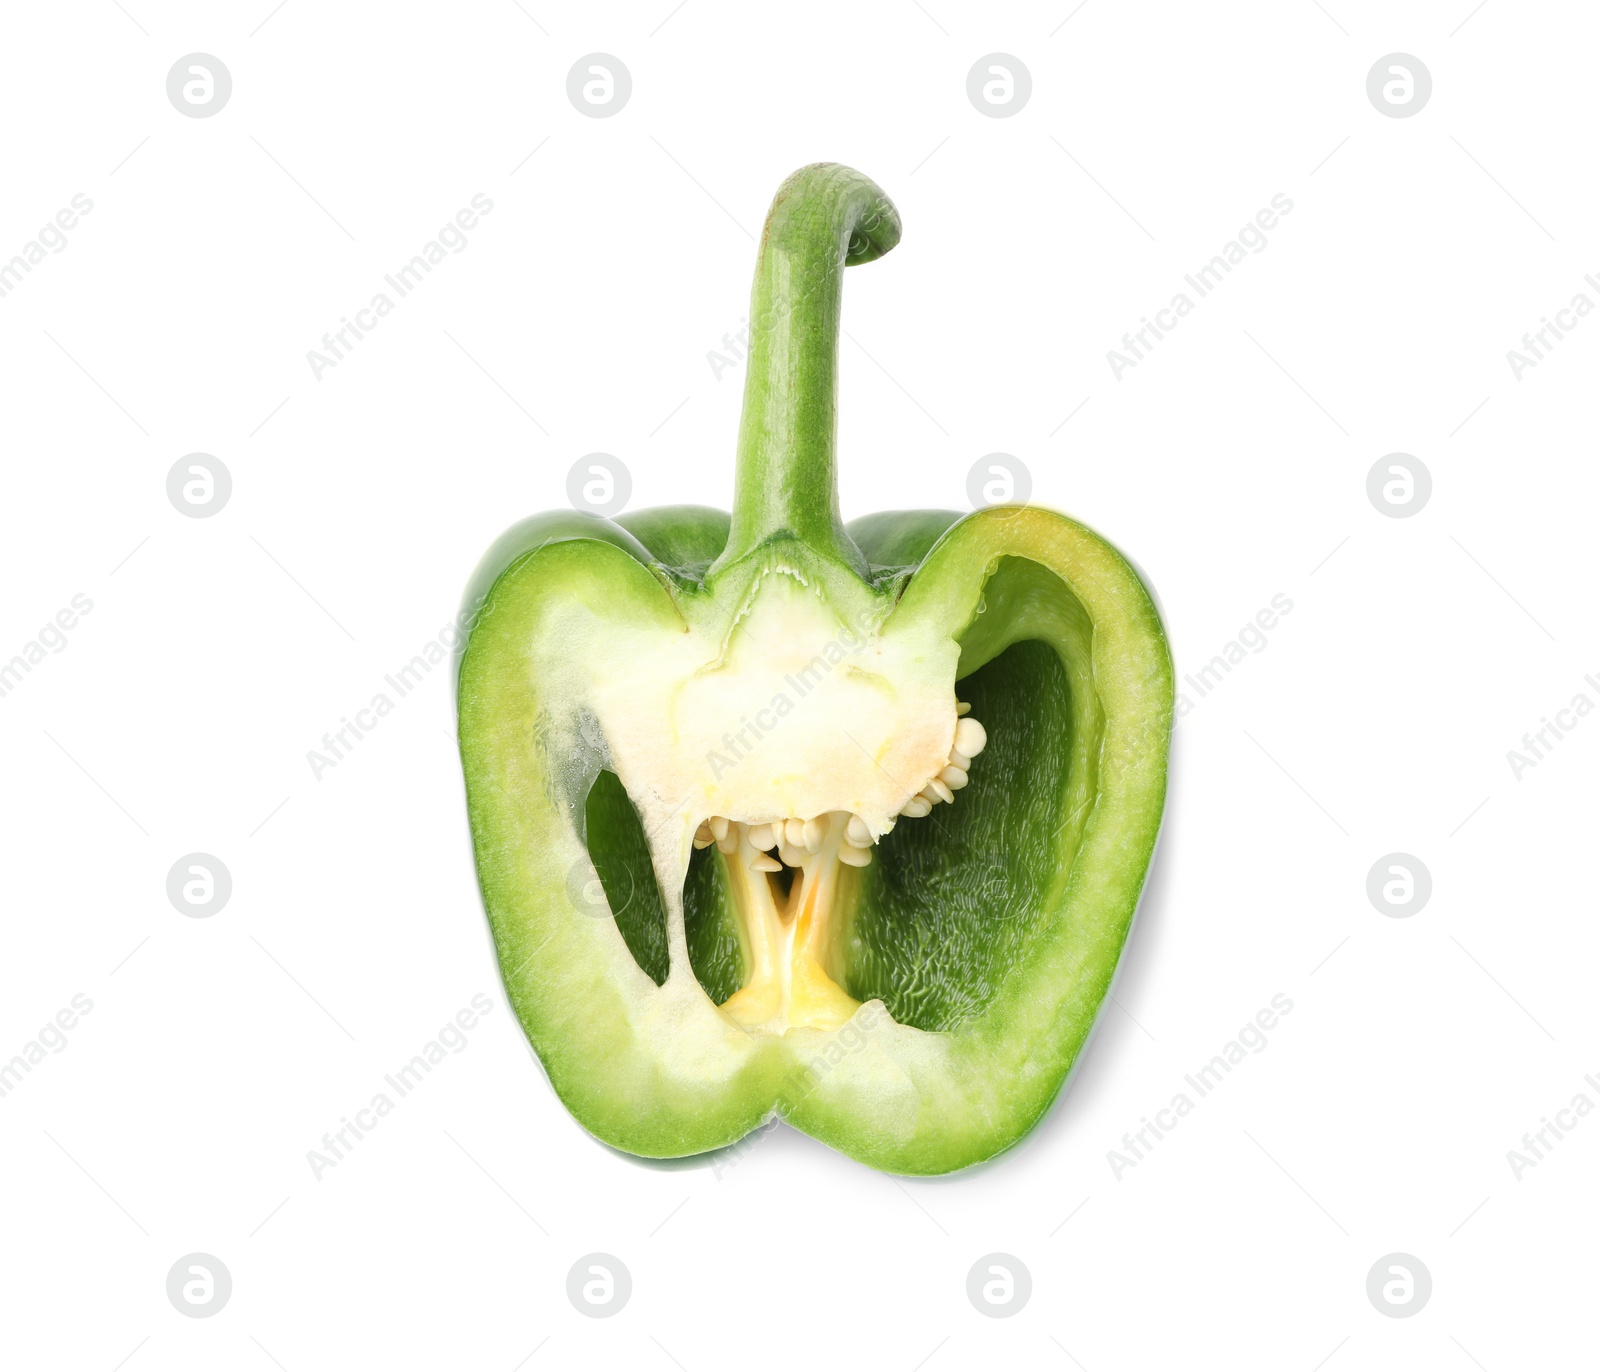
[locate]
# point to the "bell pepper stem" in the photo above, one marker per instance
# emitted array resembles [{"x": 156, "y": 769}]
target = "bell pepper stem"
[{"x": 824, "y": 218}]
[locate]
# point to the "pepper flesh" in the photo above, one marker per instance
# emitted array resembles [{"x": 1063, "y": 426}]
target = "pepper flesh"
[{"x": 631, "y": 689}]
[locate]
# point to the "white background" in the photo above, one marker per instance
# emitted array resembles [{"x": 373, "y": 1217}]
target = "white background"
[{"x": 1232, "y": 464}]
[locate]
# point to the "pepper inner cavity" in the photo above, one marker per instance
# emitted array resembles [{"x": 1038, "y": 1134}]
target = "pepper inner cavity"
[{"x": 789, "y": 880}]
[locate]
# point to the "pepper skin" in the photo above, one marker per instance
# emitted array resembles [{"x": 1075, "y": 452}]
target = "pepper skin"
[{"x": 778, "y": 815}]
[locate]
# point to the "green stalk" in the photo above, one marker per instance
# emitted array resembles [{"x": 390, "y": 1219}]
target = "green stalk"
[{"x": 824, "y": 218}]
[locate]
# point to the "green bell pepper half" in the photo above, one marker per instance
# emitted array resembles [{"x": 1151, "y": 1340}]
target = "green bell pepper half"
[{"x": 709, "y": 908}]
